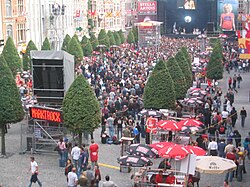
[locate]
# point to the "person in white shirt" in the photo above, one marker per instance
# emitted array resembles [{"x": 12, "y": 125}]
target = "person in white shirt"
[
  {"x": 108, "y": 182},
  {"x": 72, "y": 178},
  {"x": 224, "y": 115},
  {"x": 75, "y": 153},
  {"x": 34, "y": 172},
  {"x": 213, "y": 147}
]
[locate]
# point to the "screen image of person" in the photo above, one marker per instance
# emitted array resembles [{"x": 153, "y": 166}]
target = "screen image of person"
[
  {"x": 189, "y": 5},
  {"x": 227, "y": 18}
]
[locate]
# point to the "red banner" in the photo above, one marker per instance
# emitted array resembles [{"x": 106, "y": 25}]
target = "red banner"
[{"x": 147, "y": 7}]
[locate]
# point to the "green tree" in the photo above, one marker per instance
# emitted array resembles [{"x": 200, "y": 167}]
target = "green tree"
[
  {"x": 94, "y": 42},
  {"x": 76, "y": 37},
  {"x": 66, "y": 41},
  {"x": 215, "y": 66},
  {"x": 181, "y": 61},
  {"x": 10, "y": 101},
  {"x": 187, "y": 57},
  {"x": 86, "y": 46},
  {"x": 74, "y": 48},
  {"x": 46, "y": 44},
  {"x": 117, "y": 38},
  {"x": 159, "y": 90},
  {"x": 130, "y": 37},
  {"x": 122, "y": 37},
  {"x": 111, "y": 38},
  {"x": 177, "y": 77},
  {"x": 26, "y": 56},
  {"x": 11, "y": 56},
  {"x": 81, "y": 111},
  {"x": 135, "y": 32},
  {"x": 103, "y": 38}
]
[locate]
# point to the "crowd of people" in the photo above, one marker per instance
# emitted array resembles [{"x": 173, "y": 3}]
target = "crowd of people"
[{"x": 118, "y": 77}]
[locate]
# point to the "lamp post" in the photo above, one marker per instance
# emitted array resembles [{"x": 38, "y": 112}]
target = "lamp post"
[
  {"x": 57, "y": 10},
  {"x": 202, "y": 38}
]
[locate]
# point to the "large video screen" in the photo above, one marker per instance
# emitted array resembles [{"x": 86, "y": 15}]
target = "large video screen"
[
  {"x": 227, "y": 14},
  {"x": 186, "y": 4}
]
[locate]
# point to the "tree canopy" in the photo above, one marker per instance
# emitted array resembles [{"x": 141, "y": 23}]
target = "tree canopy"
[
  {"x": 135, "y": 33},
  {"x": 177, "y": 77},
  {"x": 183, "y": 64},
  {"x": 74, "y": 48},
  {"x": 117, "y": 38},
  {"x": 187, "y": 57},
  {"x": 111, "y": 38},
  {"x": 86, "y": 46},
  {"x": 11, "y": 56},
  {"x": 103, "y": 39},
  {"x": 94, "y": 42},
  {"x": 121, "y": 34},
  {"x": 130, "y": 37},
  {"x": 10, "y": 101},
  {"x": 81, "y": 110},
  {"x": 215, "y": 66},
  {"x": 159, "y": 90},
  {"x": 46, "y": 44},
  {"x": 66, "y": 41},
  {"x": 26, "y": 56}
]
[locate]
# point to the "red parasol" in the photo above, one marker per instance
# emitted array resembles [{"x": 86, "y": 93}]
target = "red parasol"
[
  {"x": 190, "y": 122},
  {"x": 175, "y": 151},
  {"x": 160, "y": 145},
  {"x": 196, "y": 150},
  {"x": 169, "y": 125}
]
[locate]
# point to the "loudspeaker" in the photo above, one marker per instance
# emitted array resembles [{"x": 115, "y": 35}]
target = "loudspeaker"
[
  {"x": 53, "y": 73},
  {"x": 210, "y": 27}
]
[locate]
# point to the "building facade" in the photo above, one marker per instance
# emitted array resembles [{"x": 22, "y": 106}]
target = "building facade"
[
  {"x": 26, "y": 20},
  {"x": 14, "y": 21}
]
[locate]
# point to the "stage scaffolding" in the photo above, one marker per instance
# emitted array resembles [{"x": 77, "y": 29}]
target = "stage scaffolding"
[{"x": 149, "y": 33}]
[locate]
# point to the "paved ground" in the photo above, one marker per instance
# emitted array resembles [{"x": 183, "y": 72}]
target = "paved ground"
[{"x": 15, "y": 169}]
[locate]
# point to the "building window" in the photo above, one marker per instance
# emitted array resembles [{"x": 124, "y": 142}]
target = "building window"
[
  {"x": 8, "y": 8},
  {"x": 20, "y": 7},
  {"x": 9, "y": 31},
  {"x": 21, "y": 34}
]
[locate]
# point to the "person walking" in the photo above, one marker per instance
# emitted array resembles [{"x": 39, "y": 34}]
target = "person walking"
[
  {"x": 72, "y": 178},
  {"x": 239, "y": 79},
  {"x": 61, "y": 151},
  {"x": 234, "y": 116},
  {"x": 213, "y": 147},
  {"x": 75, "y": 153},
  {"x": 68, "y": 168},
  {"x": 34, "y": 172},
  {"x": 243, "y": 114},
  {"x": 93, "y": 148}
]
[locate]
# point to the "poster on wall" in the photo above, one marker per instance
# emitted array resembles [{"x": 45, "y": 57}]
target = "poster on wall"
[
  {"x": 227, "y": 14},
  {"x": 244, "y": 36}
]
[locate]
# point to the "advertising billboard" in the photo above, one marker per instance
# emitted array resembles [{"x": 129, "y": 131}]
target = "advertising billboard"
[
  {"x": 227, "y": 14},
  {"x": 147, "y": 8},
  {"x": 244, "y": 36}
]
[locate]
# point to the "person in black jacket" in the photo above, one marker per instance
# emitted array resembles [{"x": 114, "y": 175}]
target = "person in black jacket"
[{"x": 234, "y": 116}]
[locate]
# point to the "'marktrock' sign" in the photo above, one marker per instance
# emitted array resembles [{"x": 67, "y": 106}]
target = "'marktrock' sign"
[{"x": 47, "y": 114}]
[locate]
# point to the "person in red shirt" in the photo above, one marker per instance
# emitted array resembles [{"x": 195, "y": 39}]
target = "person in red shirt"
[
  {"x": 230, "y": 156},
  {"x": 159, "y": 177},
  {"x": 93, "y": 148},
  {"x": 171, "y": 179}
]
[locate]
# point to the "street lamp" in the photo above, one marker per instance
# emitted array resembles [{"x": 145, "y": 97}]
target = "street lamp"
[
  {"x": 202, "y": 38},
  {"x": 57, "y": 10}
]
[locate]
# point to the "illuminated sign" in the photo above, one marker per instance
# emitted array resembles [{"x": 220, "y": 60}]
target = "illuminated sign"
[
  {"x": 148, "y": 7},
  {"x": 47, "y": 114}
]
